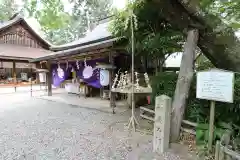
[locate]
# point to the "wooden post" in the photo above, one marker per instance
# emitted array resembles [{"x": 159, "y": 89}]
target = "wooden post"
[
  {"x": 112, "y": 98},
  {"x": 211, "y": 125},
  {"x": 221, "y": 153},
  {"x": 31, "y": 80},
  {"x": 14, "y": 76},
  {"x": 85, "y": 90},
  {"x": 217, "y": 150},
  {"x": 49, "y": 78}
]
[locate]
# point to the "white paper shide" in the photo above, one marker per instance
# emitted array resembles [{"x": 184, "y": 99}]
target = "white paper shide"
[{"x": 216, "y": 85}]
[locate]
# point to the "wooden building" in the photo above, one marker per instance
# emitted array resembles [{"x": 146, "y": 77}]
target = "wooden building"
[
  {"x": 19, "y": 43},
  {"x": 86, "y": 54}
]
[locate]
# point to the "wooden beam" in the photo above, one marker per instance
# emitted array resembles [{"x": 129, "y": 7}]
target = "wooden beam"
[
  {"x": 112, "y": 95},
  {"x": 14, "y": 76},
  {"x": 15, "y": 58},
  {"x": 49, "y": 78},
  {"x": 88, "y": 55}
]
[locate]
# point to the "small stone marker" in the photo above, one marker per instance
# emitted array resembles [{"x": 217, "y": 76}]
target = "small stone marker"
[{"x": 162, "y": 124}]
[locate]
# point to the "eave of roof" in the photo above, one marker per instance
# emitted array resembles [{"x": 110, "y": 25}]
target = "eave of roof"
[
  {"x": 11, "y": 51},
  {"x": 99, "y": 33},
  {"x": 61, "y": 48},
  {"x": 19, "y": 19},
  {"x": 77, "y": 50}
]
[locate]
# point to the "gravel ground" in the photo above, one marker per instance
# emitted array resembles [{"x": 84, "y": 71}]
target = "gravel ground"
[{"x": 43, "y": 130}]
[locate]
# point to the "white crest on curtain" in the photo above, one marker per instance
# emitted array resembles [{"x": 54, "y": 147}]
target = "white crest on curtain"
[
  {"x": 104, "y": 77},
  {"x": 88, "y": 70}
]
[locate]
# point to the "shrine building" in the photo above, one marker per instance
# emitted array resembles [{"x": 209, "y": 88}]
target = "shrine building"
[
  {"x": 19, "y": 43},
  {"x": 88, "y": 65}
]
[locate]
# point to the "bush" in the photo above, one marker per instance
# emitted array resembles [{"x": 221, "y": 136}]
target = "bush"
[
  {"x": 163, "y": 83},
  {"x": 198, "y": 110}
]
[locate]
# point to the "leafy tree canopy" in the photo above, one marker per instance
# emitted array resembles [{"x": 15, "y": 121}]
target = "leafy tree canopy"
[
  {"x": 154, "y": 36},
  {"x": 60, "y": 26}
]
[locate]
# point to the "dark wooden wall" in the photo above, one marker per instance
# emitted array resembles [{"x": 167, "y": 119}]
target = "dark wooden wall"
[{"x": 19, "y": 34}]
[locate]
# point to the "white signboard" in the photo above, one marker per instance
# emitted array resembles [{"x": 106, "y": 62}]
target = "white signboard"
[
  {"x": 216, "y": 85},
  {"x": 24, "y": 76}
]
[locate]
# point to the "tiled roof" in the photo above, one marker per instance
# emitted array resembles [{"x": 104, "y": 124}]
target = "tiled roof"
[
  {"x": 100, "y": 32},
  {"x": 77, "y": 50}
]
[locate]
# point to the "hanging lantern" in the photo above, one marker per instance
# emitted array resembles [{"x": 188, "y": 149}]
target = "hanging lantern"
[
  {"x": 104, "y": 77},
  {"x": 42, "y": 77}
]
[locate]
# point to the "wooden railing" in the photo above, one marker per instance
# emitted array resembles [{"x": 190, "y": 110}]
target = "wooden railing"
[
  {"x": 186, "y": 127},
  {"x": 224, "y": 153}
]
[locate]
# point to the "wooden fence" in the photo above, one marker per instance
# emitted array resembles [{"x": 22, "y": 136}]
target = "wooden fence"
[
  {"x": 224, "y": 153},
  {"x": 221, "y": 152},
  {"x": 186, "y": 127}
]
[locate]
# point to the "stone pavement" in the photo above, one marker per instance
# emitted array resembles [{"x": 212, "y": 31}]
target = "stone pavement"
[
  {"x": 20, "y": 89},
  {"x": 89, "y": 102},
  {"x": 36, "y": 129}
]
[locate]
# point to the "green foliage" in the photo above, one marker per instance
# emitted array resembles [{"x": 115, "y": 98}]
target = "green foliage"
[
  {"x": 227, "y": 10},
  {"x": 202, "y": 132},
  {"x": 226, "y": 115},
  {"x": 202, "y": 63},
  {"x": 59, "y": 25},
  {"x": 198, "y": 110},
  {"x": 155, "y": 37},
  {"x": 7, "y": 9},
  {"x": 163, "y": 83},
  {"x": 96, "y": 9},
  {"x": 51, "y": 17}
]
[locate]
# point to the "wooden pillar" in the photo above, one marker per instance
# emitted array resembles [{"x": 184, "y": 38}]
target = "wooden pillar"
[
  {"x": 49, "y": 78},
  {"x": 31, "y": 78},
  {"x": 14, "y": 76},
  {"x": 111, "y": 74},
  {"x": 37, "y": 78}
]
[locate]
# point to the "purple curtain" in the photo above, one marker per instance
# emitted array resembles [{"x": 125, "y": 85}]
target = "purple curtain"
[{"x": 92, "y": 81}]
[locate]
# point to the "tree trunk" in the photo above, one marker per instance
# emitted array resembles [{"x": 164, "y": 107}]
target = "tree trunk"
[
  {"x": 183, "y": 83},
  {"x": 217, "y": 41},
  {"x": 156, "y": 67}
]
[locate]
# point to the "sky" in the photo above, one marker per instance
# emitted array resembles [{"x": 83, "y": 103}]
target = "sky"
[{"x": 120, "y": 4}]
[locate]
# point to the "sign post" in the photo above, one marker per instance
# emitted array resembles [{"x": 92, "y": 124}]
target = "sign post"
[
  {"x": 215, "y": 85},
  {"x": 211, "y": 125}
]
